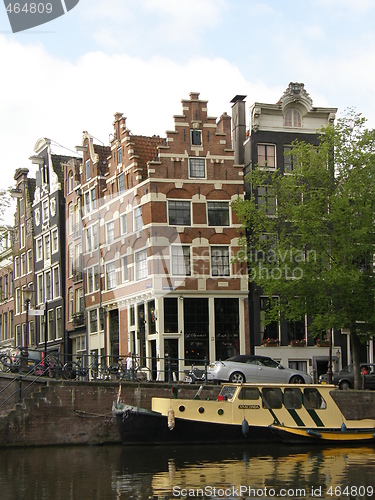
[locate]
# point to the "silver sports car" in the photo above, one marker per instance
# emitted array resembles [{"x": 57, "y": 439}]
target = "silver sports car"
[{"x": 251, "y": 368}]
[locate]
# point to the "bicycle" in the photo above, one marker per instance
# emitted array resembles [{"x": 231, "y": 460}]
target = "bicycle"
[
  {"x": 137, "y": 372},
  {"x": 73, "y": 370}
]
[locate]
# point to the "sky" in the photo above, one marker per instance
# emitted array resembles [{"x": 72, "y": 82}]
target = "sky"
[{"x": 142, "y": 57}]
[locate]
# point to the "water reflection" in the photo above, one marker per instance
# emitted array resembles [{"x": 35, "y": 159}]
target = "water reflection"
[{"x": 116, "y": 472}]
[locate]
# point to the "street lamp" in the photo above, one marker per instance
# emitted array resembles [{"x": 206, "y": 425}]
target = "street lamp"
[{"x": 27, "y": 296}]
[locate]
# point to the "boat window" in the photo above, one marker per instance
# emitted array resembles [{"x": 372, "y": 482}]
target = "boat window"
[
  {"x": 313, "y": 399},
  {"x": 292, "y": 399},
  {"x": 272, "y": 397},
  {"x": 227, "y": 391},
  {"x": 249, "y": 393}
]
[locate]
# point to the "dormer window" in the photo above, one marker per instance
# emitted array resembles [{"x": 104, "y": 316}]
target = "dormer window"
[{"x": 292, "y": 118}]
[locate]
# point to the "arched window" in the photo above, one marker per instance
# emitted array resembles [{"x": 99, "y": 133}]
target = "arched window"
[
  {"x": 70, "y": 182},
  {"x": 292, "y": 118}
]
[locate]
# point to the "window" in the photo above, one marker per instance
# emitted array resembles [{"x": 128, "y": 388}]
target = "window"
[
  {"x": 18, "y": 335},
  {"x": 11, "y": 289},
  {"x": 93, "y": 279},
  {"x": 170, "y": 315},
  {"x": 267, "y": 199},
  {"x": 110, "y": 232},
  {"x": 22, "y": 235},
  {"x": 313, "y": 399},
  {"x": 45, "y": 210},
  {"x": 218, "y": 213},
  {"x": 141, "y": 265},
  {"x": 70, "y": 218},
  {"x": 220, "y": 261},
  {"x": 123, "y": 224},
  {"x": 272, "y": 398},
  {"x": 119, "y": 155},
  {"x": 267, "y": 155},
  {"x": 5, "y": 326},
  {"x": 51, "y": 321},
  {"x": 93, "y": 321},
  {"x": 290, "y": 161},
  {"x": 292, "y": 118},
  {"x": 23, "y": 264},
  {"x": 11, "y": 323},
  {"x": 124, "y": 269},
  {"x": 138, "y": 222},
  {"x": 59, "y": 332},
  {"x": 197, "y": 168},
  {"x": 87, "y": 169},
  {"x": 56, "y": 282},
  {"x": 22, "y": 207},
  {"x": 71, "y": 304},
  {"x": 196, "y": 137},
  {"x": 16, "y": 267},
  {"x": 92, "y": 238},
  {"x": 227, "y": 327},
  {"x": 179, "y": 213},
  {"x": 47, "y": 247},
  {"x": 18, "y": 301},
  {"x": 6, "y": 285},
  {"x": 70, "y": 260},
  {"x": 121, "y": 183},
  {"x": 196, "y": 328},
  {"x": 39, "y": 249},
  {"x": 110, "y": 271},
  {"x": 48, "y": 288},
  {"x": 181, "y": 261},
  {"x": 40, "y": 289},
  {"x": 268, "y": 330},
  {"x": 70, "y": 182},
  {"x": 90, "y": 200},
  {"x": 29, "y": 261}
]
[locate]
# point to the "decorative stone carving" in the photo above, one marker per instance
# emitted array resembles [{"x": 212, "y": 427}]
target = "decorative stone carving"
[{"x": 296, "y": 93}]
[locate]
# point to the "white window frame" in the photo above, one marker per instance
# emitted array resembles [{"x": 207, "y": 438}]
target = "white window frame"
[
  {"x": 110, "y": 232},
  {"x": 54, "y": 240},
  {"x": 179, "y": 254},
  {"x": 110, "y": 275},
  {"x": 221, "y": 265},
  {"x": 39, "y": 249},
  {"x": 91, "y": 274},
  {"x": 264, "y": 164},
  {"x": 138, "y": 219},
  {"x": 196, "y": 168},
  {"x": 140, "y": 261},
  {"x": 124, "y": 269}
]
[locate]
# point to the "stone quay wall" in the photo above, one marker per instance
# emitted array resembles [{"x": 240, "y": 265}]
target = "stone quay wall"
[{"x": 71, "y": 413}]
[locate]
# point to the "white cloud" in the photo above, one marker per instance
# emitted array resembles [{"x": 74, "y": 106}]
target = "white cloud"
[{"x": 43, "y": 96}]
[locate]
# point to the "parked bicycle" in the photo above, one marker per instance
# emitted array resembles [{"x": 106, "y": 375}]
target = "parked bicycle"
[
  {"x": 134, "y": 372},
  {"x": 73, "y": 370}
]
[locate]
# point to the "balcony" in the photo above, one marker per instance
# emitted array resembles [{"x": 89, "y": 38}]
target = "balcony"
[
  {"x": 77, "y": 275},
  {"x": 78, "y": 318}
]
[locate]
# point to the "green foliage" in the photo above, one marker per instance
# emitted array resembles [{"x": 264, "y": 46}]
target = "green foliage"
[{"x": 315, "y": 251}]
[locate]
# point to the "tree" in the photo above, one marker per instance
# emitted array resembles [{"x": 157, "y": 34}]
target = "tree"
[{"x": 310, "y": 235}]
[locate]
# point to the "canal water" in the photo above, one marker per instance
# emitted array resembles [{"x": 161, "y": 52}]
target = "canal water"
[{"x": 213, "y": 472}]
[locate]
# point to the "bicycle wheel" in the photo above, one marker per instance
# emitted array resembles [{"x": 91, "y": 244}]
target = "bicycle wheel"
[
  {"x": 71, "y": 370},
  {"x": 143, "y": 374},
  {"x": 53, "y": 367}
]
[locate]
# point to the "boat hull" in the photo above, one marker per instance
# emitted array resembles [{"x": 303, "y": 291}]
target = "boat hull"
[
  {"x": 147, "y": 427},
  {"x": 323, "y": 436}
]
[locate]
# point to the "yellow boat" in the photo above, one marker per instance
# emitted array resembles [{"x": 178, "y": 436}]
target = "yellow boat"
[{"x": 248, "y": 412}]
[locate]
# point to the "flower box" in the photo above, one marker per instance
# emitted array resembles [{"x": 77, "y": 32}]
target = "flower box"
[
  {"x": 322, "y": 343},
  {"x": 270, "y": 342},
  {"x": 298, "y": 343}
]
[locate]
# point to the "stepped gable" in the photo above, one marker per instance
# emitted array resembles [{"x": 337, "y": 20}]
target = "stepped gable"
[{"x": 103, "y": 153}]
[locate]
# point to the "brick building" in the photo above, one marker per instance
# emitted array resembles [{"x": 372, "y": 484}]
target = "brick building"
[
  {"x": 157, "y": 239},
  {"x": 23, "y": 255},
  {"x": 6, "y": 289}
]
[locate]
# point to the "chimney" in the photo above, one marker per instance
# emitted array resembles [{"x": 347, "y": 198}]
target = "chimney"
[{"x": 238, "y": 128}]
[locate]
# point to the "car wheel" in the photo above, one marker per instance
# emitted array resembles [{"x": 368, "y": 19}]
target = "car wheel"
[
  {"x": 237, "y": 378},
  {"x": 297, "y": 379},
  {"x": 344, "y": 385}
]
